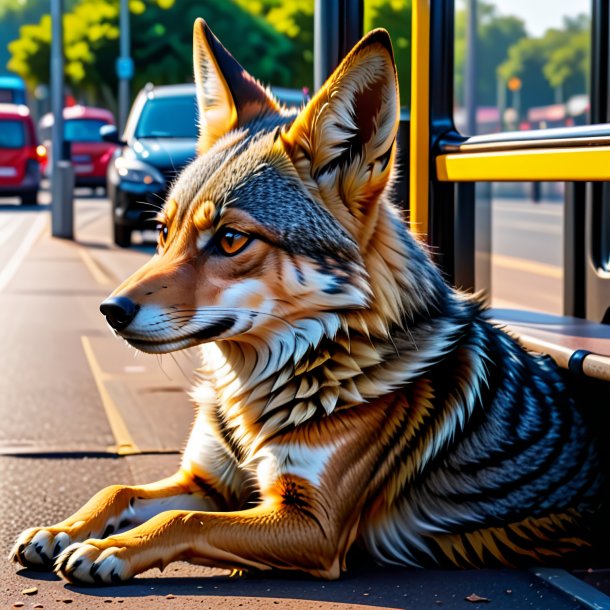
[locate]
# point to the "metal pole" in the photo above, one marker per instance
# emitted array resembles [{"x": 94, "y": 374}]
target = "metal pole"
[
  {"x": 62, "y": 173},
  {"x": 57, "y": 80},
  {"x": 124, "y": 65},
  {"x": 501, "y": 100},
  {"x": 337, "y": 28},
  {"x": 325, "y": 40},
  {"x": 470, "y": 93}
]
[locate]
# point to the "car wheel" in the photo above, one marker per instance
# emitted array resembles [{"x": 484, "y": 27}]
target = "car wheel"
[
  {"x": 122, "y": 235},
  {"x": 29, "y": 198}
]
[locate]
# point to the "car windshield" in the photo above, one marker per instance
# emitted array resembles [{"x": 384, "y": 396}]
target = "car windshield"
[
  {"x": 83, "y": 130},
  {"x": 8, "y": 96},
  {"x": 12, "y": 133},
  {"x": 168, "y": 117}
]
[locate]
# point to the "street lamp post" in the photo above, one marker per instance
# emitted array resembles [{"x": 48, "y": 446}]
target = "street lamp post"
[
  {"x": 514, "y": 84},
  {"x": 62, "y": 172},
  {"x": 124, "y": 65},
  {"x": 470, "y": 93}
]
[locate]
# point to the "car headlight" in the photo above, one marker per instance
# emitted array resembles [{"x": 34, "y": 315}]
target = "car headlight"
[{"x": 138, "y": 176}]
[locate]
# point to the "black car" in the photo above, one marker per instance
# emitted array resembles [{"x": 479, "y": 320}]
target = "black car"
[{"x": 160, "y": 138}]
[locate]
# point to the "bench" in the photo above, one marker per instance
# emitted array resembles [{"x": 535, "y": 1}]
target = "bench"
[{"x": 581, "y": 346}]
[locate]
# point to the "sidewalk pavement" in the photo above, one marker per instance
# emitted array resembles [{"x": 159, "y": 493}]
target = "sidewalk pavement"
[{"x": 79, "y": 412}]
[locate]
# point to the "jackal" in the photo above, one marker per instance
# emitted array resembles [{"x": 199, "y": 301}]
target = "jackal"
[{"x": 347, "y": 395}]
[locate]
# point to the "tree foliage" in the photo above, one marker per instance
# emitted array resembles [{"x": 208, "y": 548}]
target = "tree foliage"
[
  {"x": 161, "y": 37},
  {"x": 90, "y": 45},
  {"x": 496, "y": 34},
  {"x": 394, "y": 16},
  {"x": 273, "y": 39},
  {"x": 556, "y": 61},
  {"x": 163, "y": 40},
  {"x": 294, "y": 20}
]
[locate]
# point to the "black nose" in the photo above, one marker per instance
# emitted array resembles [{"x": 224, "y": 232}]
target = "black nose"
[{"x": 119, "y": 311}]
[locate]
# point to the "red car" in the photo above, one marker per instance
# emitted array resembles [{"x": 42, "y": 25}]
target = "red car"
[
  {"x": 20, "y": 155},
  {"x": 88, "y": 152}
]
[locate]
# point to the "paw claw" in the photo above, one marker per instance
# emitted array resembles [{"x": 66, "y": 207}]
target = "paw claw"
[
  {"x": 87, "y": 563},
  {"x": 35, "y": 548}
]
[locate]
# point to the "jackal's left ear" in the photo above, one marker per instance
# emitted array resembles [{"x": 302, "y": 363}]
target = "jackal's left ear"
[
  {"x": 228, "y": 97},
  {"x": 345, "y": 137}
]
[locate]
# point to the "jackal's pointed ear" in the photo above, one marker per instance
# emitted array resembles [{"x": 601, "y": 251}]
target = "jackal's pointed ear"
[
  {"x": 227, "y": 95},
  {"x": 344, "y": 139}
]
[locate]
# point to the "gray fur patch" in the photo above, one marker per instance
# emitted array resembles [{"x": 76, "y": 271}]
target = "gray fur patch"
[{"x": 301, "y": 225}]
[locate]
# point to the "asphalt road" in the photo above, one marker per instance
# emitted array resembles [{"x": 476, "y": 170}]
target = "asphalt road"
[
  {"x": 80, "y": 410},
  {"x": 527, "y": 260}
]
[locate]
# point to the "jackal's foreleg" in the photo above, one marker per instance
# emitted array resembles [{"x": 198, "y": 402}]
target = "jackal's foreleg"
[
  {"x": 271, "y": 535},
  {"x": 114, "y": 509}
]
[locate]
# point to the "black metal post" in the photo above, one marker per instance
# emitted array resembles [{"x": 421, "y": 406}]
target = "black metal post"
[
  {"x": 596, "y": 262},
  {"x": 574, "y": 250},
  {"x": 337, "y": 28},
  {"x": 451, "y": 228},
  {"x": 470, "y": 89}
]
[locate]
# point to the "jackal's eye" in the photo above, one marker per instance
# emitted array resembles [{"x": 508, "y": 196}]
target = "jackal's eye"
[
  {"x": 231, "y": 242},
  {"x": 163, "y": 231}
]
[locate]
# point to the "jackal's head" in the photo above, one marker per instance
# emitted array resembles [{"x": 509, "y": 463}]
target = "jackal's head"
[{"x": 282, "y": 217}]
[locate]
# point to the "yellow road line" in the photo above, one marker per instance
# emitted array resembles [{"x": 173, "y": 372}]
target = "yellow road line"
[
  {"x": 521, "y": 264},
  {"x": 19, "y": 254},
  {"x": 125, "y": 445},
  {"x": 99, "y": 275}
]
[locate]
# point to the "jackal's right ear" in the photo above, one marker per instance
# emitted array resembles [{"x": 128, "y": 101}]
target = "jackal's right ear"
[
  {"x": 345, "y": 138},
  {"x": 227, "y": 95}
]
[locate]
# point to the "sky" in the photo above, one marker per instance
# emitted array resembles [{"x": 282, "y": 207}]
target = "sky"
[{"x": 539, "y": 15}]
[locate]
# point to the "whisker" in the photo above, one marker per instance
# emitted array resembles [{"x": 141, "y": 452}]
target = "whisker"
[
  {"x": 155, "y": 206},
  {"x": 187, "y": 377},
  {"x": 176, "y": 315},
  {"x": 160, "y": 365}
]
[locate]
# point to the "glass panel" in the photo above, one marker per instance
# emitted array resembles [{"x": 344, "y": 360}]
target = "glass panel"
[
  {"x": 525, "y": 222},
  {"x": 7, "y": 96},
  {"x": 169, "y": 117},
  {"x": 83, "y": 130},
  {"x": 394, "y": 16},
  {"x": 12, "y": 134},
  {"x": 531, "y": 60}
]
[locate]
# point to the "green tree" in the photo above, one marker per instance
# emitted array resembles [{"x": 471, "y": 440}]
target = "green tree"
[
  {"x": 90, "y": 46},
  {"x": 162, "y": 46},
  {"x": 293, "y": 19},
  {"x": 568, "y": 65},
  {"x": 161, "y": 33},
  {"x": 495, "y": 35},
  {"x": 13, "y": 13},
  {"x": 394, "y": 16},
  {"x": 553, "y": 66}
]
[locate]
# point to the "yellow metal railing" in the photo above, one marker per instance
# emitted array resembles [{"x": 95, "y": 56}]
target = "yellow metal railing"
[
  {"x": 419, "y": 127},
  {"x": 550, "y": 164}
]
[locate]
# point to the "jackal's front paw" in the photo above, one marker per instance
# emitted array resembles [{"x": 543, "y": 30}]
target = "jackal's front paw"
[
  {"x": 38, "y": 547},
  {"x": 93, "y": 562}
]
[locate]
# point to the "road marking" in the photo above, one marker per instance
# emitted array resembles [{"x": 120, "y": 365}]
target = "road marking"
[
  {"x": 527, "y": 208},
  {"x": 7, "y": 274},
  {"x": 96, "y": 270},
  {"x": 10, "y": 228},
  {"x": 531, "y": 226},
  {"x": 125, "y": 445},
  {"x": 521, "y": 264}
]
